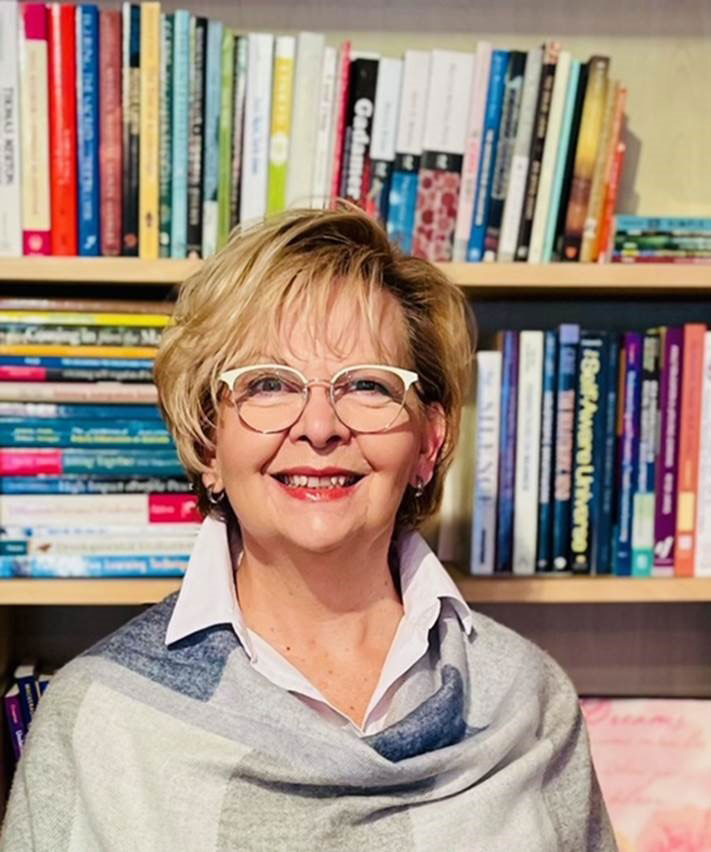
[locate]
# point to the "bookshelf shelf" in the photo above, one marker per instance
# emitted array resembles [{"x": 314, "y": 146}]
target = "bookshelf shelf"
[
  {"x": 479, "y": 278},
  {"x": 477, "y": 590}
]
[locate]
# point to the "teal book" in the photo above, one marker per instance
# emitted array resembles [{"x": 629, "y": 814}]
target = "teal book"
[
  {"x": 224, "y": 187},
  {"x": 561, "y": 159},
  {"x": 166, "y": 131},
  {"x": 211, "y": 129}
]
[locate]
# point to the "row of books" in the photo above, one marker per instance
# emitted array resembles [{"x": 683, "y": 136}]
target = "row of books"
[
  {"x": 145, "y": 133},
  {"x": 21, "y": 699},
  {"x": 593, "y": 453},
  {"x": 90, "y": 480},
  {"x": 672, "y": 239}
]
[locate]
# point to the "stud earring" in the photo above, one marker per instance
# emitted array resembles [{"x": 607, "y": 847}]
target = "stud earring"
[{"x": 419, "y": 486}]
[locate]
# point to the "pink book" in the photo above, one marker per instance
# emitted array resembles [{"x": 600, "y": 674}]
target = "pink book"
[{"x": 341, "y": 107}]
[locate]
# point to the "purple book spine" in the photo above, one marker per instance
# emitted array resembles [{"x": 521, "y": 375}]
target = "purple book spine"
[
  {"x": 15, "y": 724},
  {"x": 668, "y": 454}
]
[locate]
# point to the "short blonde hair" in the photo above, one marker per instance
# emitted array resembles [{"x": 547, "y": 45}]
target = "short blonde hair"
[{"x": 300, "y": 261}]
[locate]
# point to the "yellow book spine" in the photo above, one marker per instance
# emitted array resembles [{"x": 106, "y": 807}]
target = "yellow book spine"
[
  {"x": 62, "y": 318},
  {"x": 281, "y": 122},
  {"x": 149, "y": 152},
  {"x": 78, "y": 351}
]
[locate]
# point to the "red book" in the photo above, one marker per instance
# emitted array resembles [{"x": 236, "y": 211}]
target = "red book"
[
  {"x": 342, "y": 95},
  {"x": 62, "y": 128},
  {"x": 173, "y": 509},
  {"x": 110, "y": 151}
]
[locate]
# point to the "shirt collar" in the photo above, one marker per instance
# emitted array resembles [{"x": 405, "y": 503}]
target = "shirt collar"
[{"x": 207, "y": 594}]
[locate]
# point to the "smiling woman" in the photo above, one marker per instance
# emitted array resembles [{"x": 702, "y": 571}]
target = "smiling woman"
[{"x": 318, "y": 682}]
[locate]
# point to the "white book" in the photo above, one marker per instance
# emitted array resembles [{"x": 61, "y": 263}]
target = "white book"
[
  {"x": 486, "y": 473},
  {"x": 513, "y": 206},
  {"x": 385, "y": 115},
  {"x": 320, "y": 190},
  {"x": 456, "y": 510},
  {"x": 304, "y": 118},
  {"x": 10, "y": 198},
  {"x": 93, "y": 509},
  {"x": 450, "y": 86},
  {"x": 211, "y": 135},
  {"x": 528, "y": 447},
  {"x": 413, "y": 103},
  {"x": 255, "y": 150},
  {"x": 702, "y": 556},
  {"x": 550, "y": 156},
  {"x": 472, "y": 151}
]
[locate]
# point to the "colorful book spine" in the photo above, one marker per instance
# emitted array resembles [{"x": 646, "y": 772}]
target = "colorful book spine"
[
  {"x": 62, "y": 462},
  {"x": 340, "y": 115},
  {"x": 211, "y": 138},
  {"x": 10, "y": 176},
  {"x": 98, "y": 509},
  {"x": 472, "y": 151},
  {"x": 568, "y": 344},
  {"x": 602, "y": 534},
  {"x": 87, "y": 67},
  {"x": 62, "y": 127},
  {"x": 149, "y": 141},
  {"x": 668, "y": 456},
  {"x": 384, "y": 130},
  {"x": 78, "y": 335},
  {"x": 137, "y": 565},
  {"x": 588, "y": 141},
  {"x": 702, "y": 556},
  {"x": 165, "y": 179},
  {"x": 629, "y": 409},
  {"x": 507, "y": 451},
  {"x": 179, "y": 134},
  {"x": 116, "y": 541},
  {"x": 629, "y": 224},
  {"x": 689, "y": 441},
  {"x": 490, "y": 137},
  {"x": 37, "y": 373},
  {"x": 612, "y": 187},
  {"x": 513, "y": 205},
  {"x": 240, "y": 93},
  {"x": 57, "y": 411},
  {"x": 76, "y": 392},
  {"x": 80, "y": 484},
  {"x": 644, "y": 497},
  {"x": 25, "y": 678},
  {"x": 304, "y": 118},
  {"x": 443, "y": 150},
  {"x": 282, "y": 96},
  {"x": 198, "y": 55},
  {"x": 545, "y": 484},
  {"x": 34, "y": 130},
  {"x": 355, "y": 178},
  {"x": 78, "y": 316},
  {"x": 131, "y": 98},
  {"x": 67, "y": 433},
  {"x": 255, "y": 151},
  {"x": 327, "y": 97},
  {"x": 486, "y": 474},
  {"x": 528, "y": 446},
  {"x": 110, "y": 133},
  {"x": 15, "y": 723},
  {"x": 224, "y": 190},
  {"x": 408, "y": 149}
]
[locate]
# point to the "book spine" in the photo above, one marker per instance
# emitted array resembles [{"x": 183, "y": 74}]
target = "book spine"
[
  {"x": 211, "y": 138},
  {"x": 587, "y": 458},
  {"x": 510, "y": 111},
  {"x": 98, "y": 509},
  {"x": 507, "y": 452},
  {"x": 667, "y": 459},
  {"x": 355, "y": 179},
  {"x": 87, "y": 76},
  {"x": 79, "y": 335},
  {"x": 92, "y": 485},
  {"x": 340, "y": 116},
  {"x": 602, "y": 537},
  {"x": 27, "y": 686},
  {"x": 585, "y": 155},
  {"x": 165, "y": 177},
  {"x": 198, "y": 52},
  {"x": 568, "y": 344},
  {"x": 15, "y": 723},
  {"x": 56, "y": 462},
  {"x": 224, "y": 190},
  {"x": 528, "y": 446},
  {"x": 545, "y": 485},
  {"x": 630, "y": 224},
  {"x": 149, "y": 141},
  {"x": 304, "y": 119},
  {"x": 55, "y": 411},
  {"x": 67, "y": 433},
  {"x": 34, "y": 130},
  {"x": 279, "y": 140},
  {"x": 490, "y": 137},
  {"x": 99, "y": 545},
  {"x": 179, "y": 134},
  {"x": 538, "y": 141},
  {"x": 94, "y": 566},
  {"x": 10, "y": 175},
  {"x": 255, "y": 150},
  {"x": 76, "y": 392},
  {"x": 382, "y": 146},
  {"x": 702, "y": 556},
  {"x": 628, "y": 449},
  {"x": 62, "y": 127},
  {"x": 240, "y": 93},
  {"x": 82, "y": 317},
  {"x": 110, "y": 132},
  {"x": 327, "y": 96},
  {"x": 27, "y": 373},
  {"x": 91, "y": 351},
  {"x": 408, "y": 149},
  {"x": 644, "y": 497},
  {"x": 472, "y": 151},
  {"x": 689, "y": 440},
  {"x": 513, "y": 205},
  {"x": 131, "y": 94},
  {"x": 110, "y": 365},
  {"x": 551, "y": 146},
  {"x": 488, "y": 414}
]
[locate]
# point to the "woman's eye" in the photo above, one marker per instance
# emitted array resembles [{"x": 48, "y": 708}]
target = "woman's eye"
[{"x": 367, "y": 386}]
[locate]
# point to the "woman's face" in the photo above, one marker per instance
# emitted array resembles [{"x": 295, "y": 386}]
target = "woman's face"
[{"x": 255, "y": 468}]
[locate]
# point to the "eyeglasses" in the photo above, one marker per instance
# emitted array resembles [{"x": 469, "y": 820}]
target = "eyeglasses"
[{"x": 272, "y": 397}]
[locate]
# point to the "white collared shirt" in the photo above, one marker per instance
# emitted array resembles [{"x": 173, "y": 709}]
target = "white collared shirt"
[{"x": 208, "y": 597}]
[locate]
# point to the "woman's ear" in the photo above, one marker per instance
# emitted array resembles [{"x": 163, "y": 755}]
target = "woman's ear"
[
  {"x": 212, "y": 479},
  {"x": 434, "y": 432}
]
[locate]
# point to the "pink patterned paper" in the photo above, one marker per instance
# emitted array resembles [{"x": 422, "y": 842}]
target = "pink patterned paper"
[
  {"x": 436, "y": 215},
  {"x": 653, "y": 759}
]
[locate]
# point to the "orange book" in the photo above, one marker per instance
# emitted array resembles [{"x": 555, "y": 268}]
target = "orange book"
[
  {"x": 607, "y": 231},
  {"x": 689, "y": 438},
  {"x": 111, "y": 128}
]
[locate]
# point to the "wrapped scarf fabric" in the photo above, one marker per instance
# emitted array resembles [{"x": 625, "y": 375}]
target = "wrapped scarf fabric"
[{"x": 139, "y": 746}]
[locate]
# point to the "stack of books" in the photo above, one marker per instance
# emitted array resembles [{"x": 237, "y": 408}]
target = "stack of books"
[
  {"x": 139, "y": 132},
  {"x": 90, "y": 481},
  {"x": 672, "y": 239},
  {"x": 582, "y": 462}
]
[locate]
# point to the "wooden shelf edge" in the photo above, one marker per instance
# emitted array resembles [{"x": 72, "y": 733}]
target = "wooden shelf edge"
[{"x": 476, "y": 590}]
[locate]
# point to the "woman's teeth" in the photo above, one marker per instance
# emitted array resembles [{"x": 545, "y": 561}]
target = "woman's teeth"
[{"x": 300, "y": 481}]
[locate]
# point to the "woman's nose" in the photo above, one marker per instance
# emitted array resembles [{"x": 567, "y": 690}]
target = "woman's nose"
[{"x": 319, "y": 423}]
